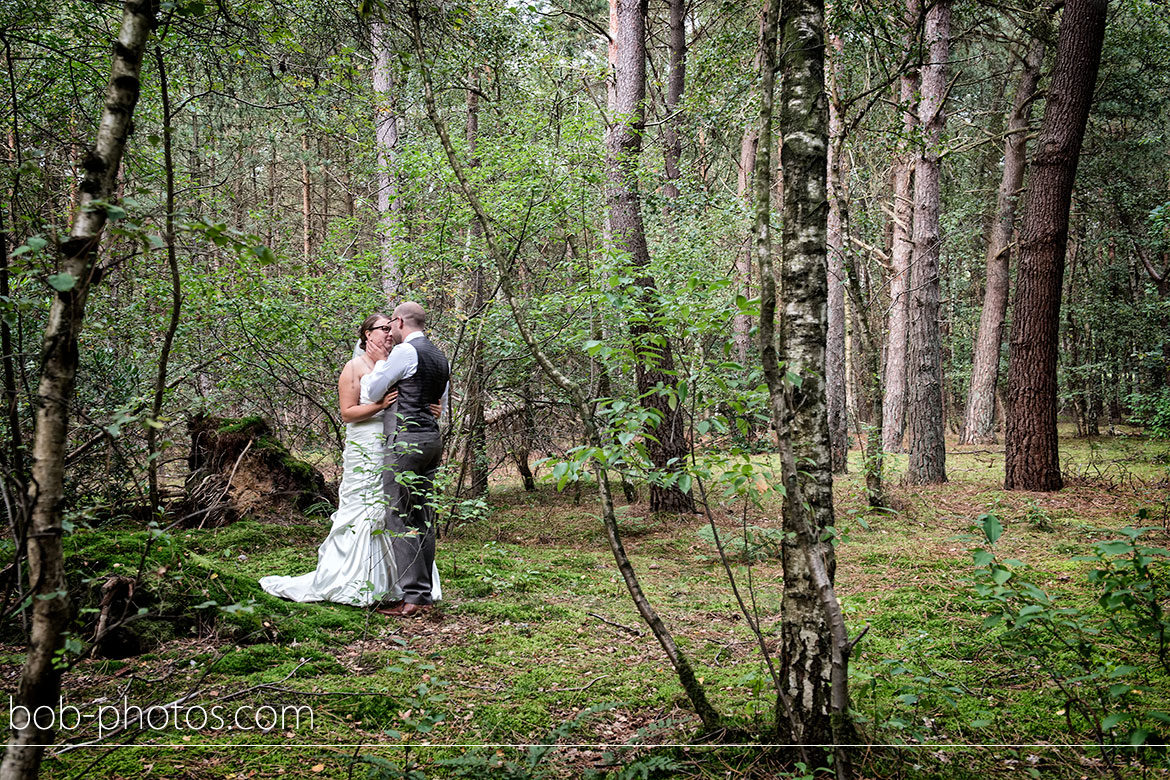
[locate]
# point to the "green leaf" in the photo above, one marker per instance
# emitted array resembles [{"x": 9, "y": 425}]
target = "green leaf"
[
  {"x": 1111, "y": 721},
  {"x": 992, "y": 528},
  {"x": 684, "y": 483},
  {"x": 62, "y": 282}
]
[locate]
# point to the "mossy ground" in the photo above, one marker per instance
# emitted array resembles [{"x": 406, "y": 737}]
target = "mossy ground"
[{"x": 537, "y": 626}]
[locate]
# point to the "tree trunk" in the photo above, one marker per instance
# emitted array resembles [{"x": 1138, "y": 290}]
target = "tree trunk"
[
  {"x": 306, "y": 201},
  {"x": 1032, "y": 460},
  {"x": 741, "y": 323},
  {"x": 164, "y": 356},
  {"x": 835, "y": 373},
  {"x": 40, "y": 681},
  {"x": 813, "y": 696},
  {"x": 668, "y": 441},
  {"x": 901, "y": 252},
  {"x": 803, "y": 278},
  {"x": 674, "y": 92},
  {"x": 924, "y": 413},
  {"x": 476, "y": 452},
  {"x": 386, "y": 139},
  {"x": 979, "y": 421}
]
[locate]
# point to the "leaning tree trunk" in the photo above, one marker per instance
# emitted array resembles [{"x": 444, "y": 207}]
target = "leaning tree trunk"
[
  {"x": 924, "y": 408},
  {"x": 623, "y": 200},
  {"x": 979, "y": 423},
  {"x": 901, "y": 251},
  {"x": 386, "y": 138},
  {"x": 40, "y": 681},
  {"x": 1032, "y": 461}
]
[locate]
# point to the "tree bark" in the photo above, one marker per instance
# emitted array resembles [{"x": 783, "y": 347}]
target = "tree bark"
[
  {"x": 476, "y": 452},
  {"x": 741, "y": 323},
  {"x": 40, "y": 681},
  {"x": 674, "y": 92},
  {"x": 387, "y": 140},
  {"x": 979, "y": 420},
  {"x": 306, "y": 201},
  {"x": 655, "y": 366},
  {"x": 1032, "y": 460},
  {"x": 835, "y": 373},
  {"x": 814, "y": 698},
  {"x": 924, "y": 413},
  {"x": 901, "y": 251},
  {"x": 807, "y": 663}
]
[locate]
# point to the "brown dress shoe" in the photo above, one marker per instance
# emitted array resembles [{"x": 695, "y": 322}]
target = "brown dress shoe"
[{"x": 407, "y": 610}]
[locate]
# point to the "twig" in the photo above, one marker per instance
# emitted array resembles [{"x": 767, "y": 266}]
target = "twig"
[
  {"x": 627, "y": 629},
  {"x": 579, "y": 688}
]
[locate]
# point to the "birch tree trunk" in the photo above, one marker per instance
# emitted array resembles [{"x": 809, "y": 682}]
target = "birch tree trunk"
[
  {"x": 623, "y": 201},
  {"x": 386, "y": 138},
  {"x": 924, "y": 410},
  {"x": 979, "y": 420},
  {"x": 40, "y": 681},
  {"x": 901, "y": 251},
  {"x": 807, "y": 666},
  {"x": 1032, "y": 461}
]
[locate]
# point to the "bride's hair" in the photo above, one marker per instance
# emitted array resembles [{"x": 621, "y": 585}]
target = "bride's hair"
[{"x": 366, "y": 325}]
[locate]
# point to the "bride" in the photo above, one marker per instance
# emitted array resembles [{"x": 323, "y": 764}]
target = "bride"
[{"x": 355, "y": 563}]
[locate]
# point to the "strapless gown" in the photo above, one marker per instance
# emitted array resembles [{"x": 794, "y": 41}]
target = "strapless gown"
[{"x": 355, "y": 563}]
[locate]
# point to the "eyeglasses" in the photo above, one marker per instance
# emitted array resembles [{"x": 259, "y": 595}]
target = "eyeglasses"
[{"x": 383, "y": 328}]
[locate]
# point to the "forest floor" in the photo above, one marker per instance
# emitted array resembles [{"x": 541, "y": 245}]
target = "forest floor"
[{"x": 537, "y": 640}]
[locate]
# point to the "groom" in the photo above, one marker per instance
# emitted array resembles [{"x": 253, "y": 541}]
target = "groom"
[{"x": 413, "y": 451}]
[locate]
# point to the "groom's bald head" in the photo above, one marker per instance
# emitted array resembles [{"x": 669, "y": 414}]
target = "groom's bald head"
[{"x": 412, "y": 314}]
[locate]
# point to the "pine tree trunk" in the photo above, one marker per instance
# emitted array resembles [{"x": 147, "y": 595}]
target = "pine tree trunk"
[
  {"x": 924, "y": 413},
  {"x": 979, "y": 421},
  {"x": 40, "y": 681},
  {"x": 741, "y": 323},
  {"x": 623, "y": 201},
  {"x": 1032, "y": 460},
  {"x": 835, "y": 372},
  {"x": 674, "y": 92},
  {"x": 901, "y": 252},
  {"x": 306, "y": 201}
]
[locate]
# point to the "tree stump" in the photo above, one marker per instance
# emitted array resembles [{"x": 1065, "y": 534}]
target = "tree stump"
[{"x": 238, "y": 468}]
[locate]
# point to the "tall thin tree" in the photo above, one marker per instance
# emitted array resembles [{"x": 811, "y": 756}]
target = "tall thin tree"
[
  {"x": 924, "y": 409},
  {"x": 979, "y": 420},
  {"x": 655, "y": 368},
  {"x": 1032, "y": 459},
  {"x": 48, "y": 592}
]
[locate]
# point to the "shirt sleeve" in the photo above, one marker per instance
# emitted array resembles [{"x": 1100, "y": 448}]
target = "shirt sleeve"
[{"x": 400, "y": 364}]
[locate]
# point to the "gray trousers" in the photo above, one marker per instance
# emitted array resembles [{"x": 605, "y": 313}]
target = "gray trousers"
[{"x": 408, "y": 479}]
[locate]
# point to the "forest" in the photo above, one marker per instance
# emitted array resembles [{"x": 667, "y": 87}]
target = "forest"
[{"x": 809, "y": 387}]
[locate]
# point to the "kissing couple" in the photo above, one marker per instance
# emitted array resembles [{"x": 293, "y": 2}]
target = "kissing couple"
[{"x": 381, "y": 546}]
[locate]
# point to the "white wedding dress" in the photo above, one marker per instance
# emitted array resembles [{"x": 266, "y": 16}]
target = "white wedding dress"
[{"x": 355, "y": 563}]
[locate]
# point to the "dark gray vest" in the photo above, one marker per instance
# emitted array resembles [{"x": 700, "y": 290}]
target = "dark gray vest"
[{"x": 426, "y": 387}]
